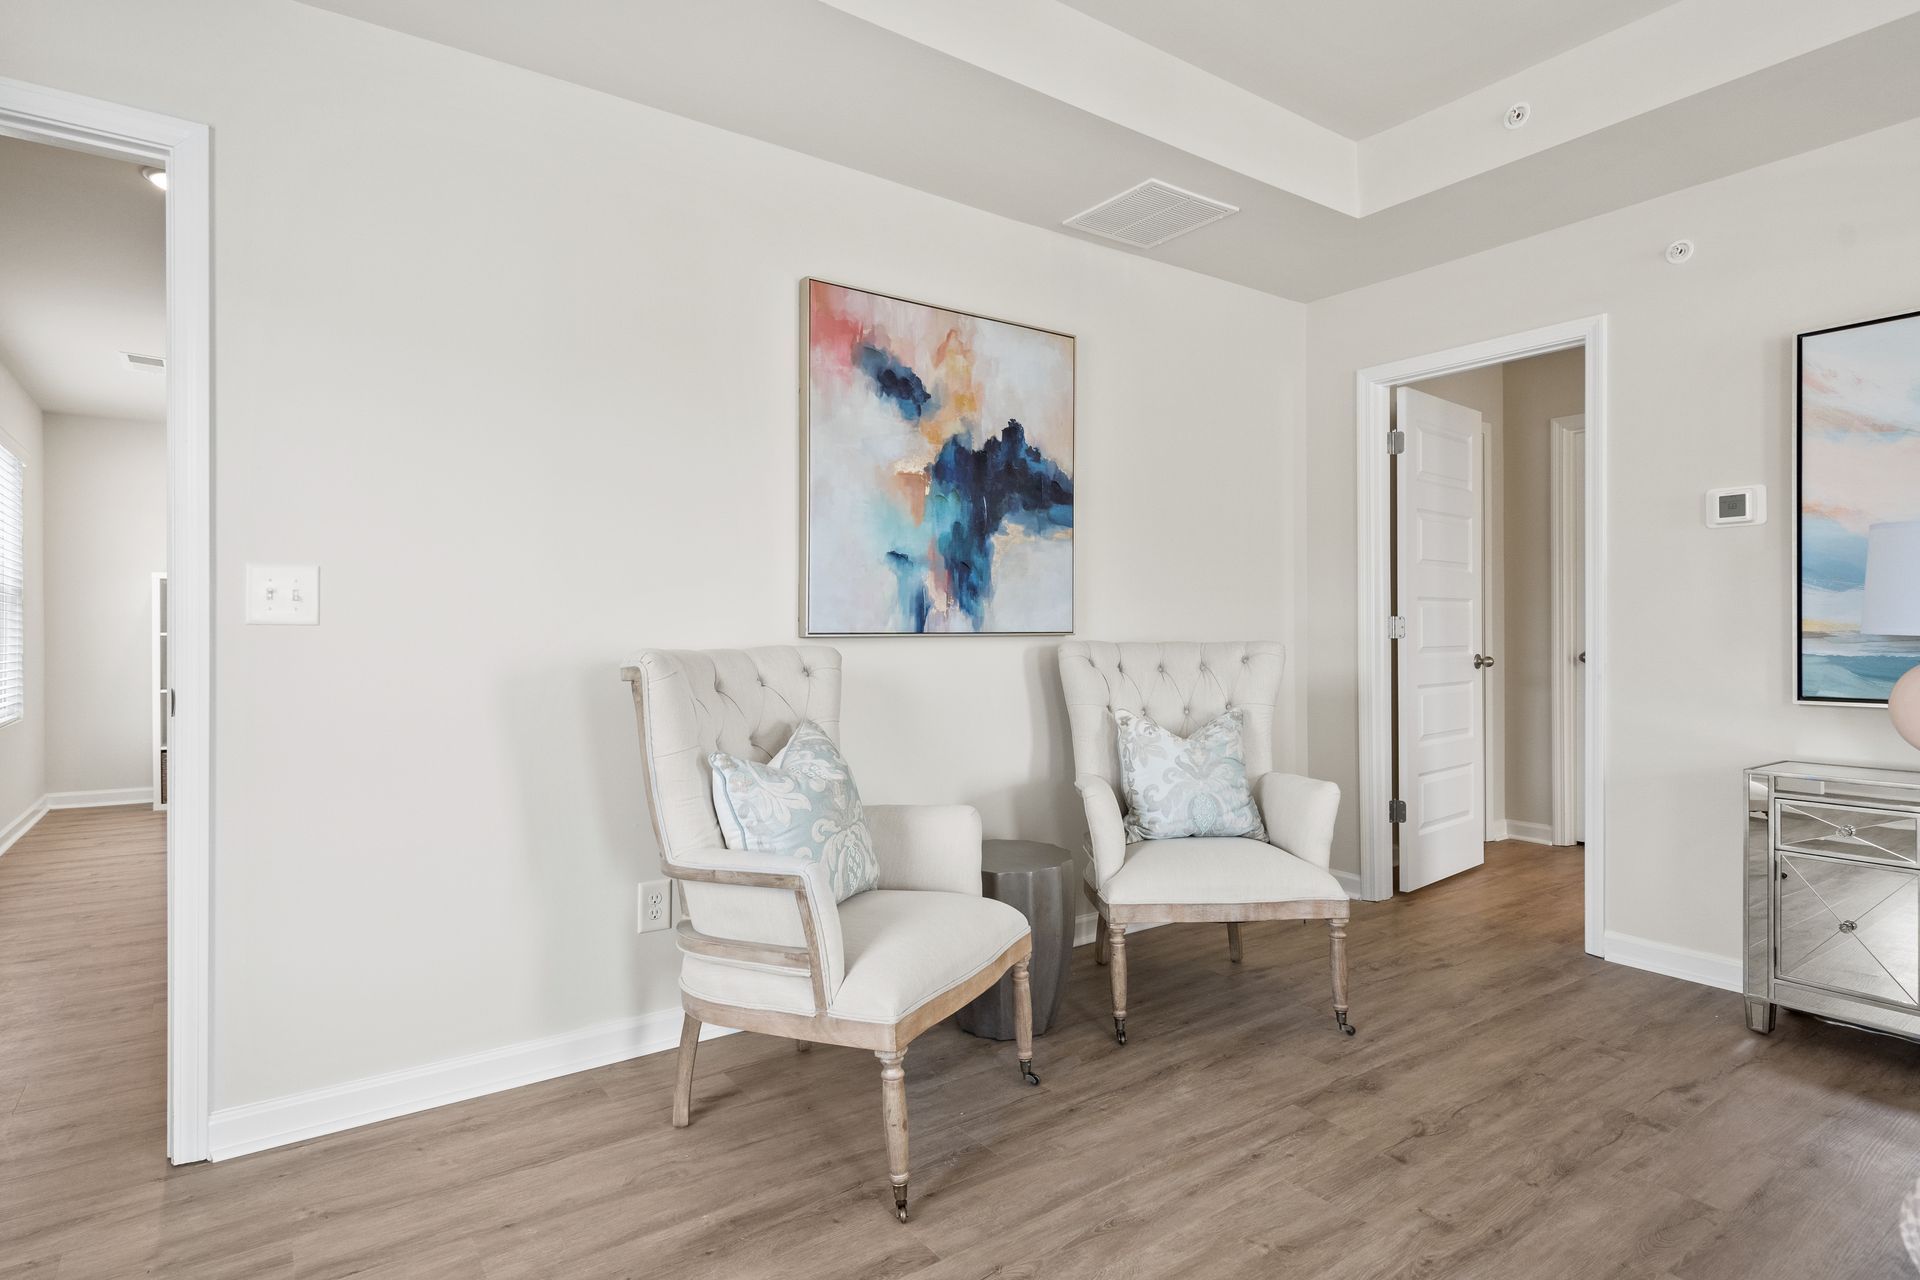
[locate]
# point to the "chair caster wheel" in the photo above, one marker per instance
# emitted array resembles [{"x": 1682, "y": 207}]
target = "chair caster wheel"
[
  {"x": 1120, "y": 1030},
  {"x": 1340, "y": 1016},
  {"x": 900, "y": 1203},
  {"x": 1026, "y": 1071}
]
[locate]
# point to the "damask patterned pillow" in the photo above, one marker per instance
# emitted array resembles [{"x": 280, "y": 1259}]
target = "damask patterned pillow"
[
  {"x": 1178, "y": 787},
  {"x": 801, "y": 804}
]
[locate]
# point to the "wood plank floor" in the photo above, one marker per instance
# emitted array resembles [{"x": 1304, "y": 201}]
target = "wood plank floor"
[{"x": 1510, "y": 1108}]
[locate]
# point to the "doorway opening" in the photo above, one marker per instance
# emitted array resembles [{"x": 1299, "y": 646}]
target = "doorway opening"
[
  {"x": 111, "y": 598},
  {"x": 1482, "y": 637}
]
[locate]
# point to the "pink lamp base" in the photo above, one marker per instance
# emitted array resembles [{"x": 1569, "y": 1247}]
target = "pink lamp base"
[{"x": 1904, "y": 706}]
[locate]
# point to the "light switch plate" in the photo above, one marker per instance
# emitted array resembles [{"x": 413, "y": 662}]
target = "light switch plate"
[{"x": 283, "y": 594}]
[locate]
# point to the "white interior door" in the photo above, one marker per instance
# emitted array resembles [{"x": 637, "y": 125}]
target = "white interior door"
[{"x": 1440, "y": 590}]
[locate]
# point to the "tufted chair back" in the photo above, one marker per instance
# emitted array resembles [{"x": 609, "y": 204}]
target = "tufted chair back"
[
  {"x": 745, "y": 702},
  {"x": 1180, "y": 684}
]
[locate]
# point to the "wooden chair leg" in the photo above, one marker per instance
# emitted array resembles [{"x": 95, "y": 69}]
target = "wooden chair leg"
[
  {"x": 1117, "y": 966},
  {"x": 683, "y": 1083},
  {"x": 893, "y": 1109},
  {"x": 1233, "y": 943},
  {"x": 1023, "y": 1022},
  {"x": 1100, "y": 940},
  {"x": 1338, "y": 929}
]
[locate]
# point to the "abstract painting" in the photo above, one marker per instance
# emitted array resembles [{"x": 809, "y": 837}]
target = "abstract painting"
[
  {"x": 939, "y": 460},
  {"x": 1859, "y": 466}
]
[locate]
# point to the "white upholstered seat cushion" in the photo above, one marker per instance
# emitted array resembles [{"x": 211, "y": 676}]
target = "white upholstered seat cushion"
[
  {"x": 1216, "y": 869},
  {"x": 903, "y": 948}
]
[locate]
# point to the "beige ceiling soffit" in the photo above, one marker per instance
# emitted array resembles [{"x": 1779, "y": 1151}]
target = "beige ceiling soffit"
[
  {"x": 1675, "y": 53},
  {"x": 1058, "y": 51}
]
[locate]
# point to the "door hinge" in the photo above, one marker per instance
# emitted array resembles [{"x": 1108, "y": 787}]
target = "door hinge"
[
  {"x": 1396, "y": 627},
  {"x": 1396, "y": 442},
  {"x": 1396, "y": 811}
]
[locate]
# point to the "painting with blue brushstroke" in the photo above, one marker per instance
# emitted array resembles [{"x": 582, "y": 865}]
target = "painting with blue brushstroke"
[
  {"x": 1859, "y": 466},
  {"x": 939, "y": 459}
]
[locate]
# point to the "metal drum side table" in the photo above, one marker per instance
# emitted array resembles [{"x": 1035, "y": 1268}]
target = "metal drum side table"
[{"x": 1038, "y": 879}]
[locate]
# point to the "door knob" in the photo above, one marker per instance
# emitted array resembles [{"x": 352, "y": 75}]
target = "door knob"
[{"x": 1482, "y": 660}]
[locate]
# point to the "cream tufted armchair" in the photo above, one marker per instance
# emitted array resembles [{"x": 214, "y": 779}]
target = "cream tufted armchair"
[
  {"x": 767, "y": 949},
  {"x": 1284, "y": 877}
]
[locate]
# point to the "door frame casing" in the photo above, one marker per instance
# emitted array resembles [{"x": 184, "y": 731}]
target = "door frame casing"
[
  {"x": 1493, "y": 631},
  {"x": 183, "y": 149},
  {"x": 1564, "y": 551},
  {"x": 1373, "y": 404}
]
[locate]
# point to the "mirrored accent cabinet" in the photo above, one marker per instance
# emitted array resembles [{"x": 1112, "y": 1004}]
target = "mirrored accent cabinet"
[{"x": 1833, "y": 895}]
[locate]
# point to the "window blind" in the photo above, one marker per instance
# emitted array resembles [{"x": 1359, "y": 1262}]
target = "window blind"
[{"x": 13, "y": 587}]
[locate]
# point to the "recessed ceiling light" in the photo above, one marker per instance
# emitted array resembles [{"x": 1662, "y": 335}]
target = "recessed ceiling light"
[{"x": 158, "y": 177}]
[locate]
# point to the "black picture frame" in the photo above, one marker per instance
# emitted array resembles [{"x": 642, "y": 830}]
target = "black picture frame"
[{"x": 1801, "y": 696}]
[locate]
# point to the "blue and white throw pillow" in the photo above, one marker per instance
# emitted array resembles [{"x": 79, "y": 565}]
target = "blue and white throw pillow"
[
  {"x": 1178, "y": 787},
  {"x": 802, "y": 804}
]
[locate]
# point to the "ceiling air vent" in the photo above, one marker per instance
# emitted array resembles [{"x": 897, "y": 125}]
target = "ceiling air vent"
[
  {"x": 137, "y": 361},
  {"x": 1149, "y": 214}
]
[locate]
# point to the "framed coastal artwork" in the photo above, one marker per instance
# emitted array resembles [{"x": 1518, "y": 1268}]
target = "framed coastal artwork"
[
  {"x": 938, "y": 455},
  {"x": 1858, "y": 463}
]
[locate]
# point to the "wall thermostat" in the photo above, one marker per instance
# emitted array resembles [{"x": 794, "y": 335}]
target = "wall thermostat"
[{"x": 1745, "y": 505}]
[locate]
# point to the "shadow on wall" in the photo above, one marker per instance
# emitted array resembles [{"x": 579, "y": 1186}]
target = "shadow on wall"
[
  {"x": 585, "y": 842},
  {"x": 1046, "y": 807}
]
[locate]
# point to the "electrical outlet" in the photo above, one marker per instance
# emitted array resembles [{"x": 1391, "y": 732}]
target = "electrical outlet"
[{"x": 656, "y": 905}]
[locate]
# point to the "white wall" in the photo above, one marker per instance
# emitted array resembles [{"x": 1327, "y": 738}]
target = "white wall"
[
  {"x": 106, "y": 536},
  {"x": 23, "y": 744},
  {"x": 516, "y": 364},
  {"x": 1701, "y": 396}
]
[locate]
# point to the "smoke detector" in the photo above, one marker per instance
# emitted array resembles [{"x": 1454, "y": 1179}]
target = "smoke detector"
[
  {"x": 1680, "y": 251},
  {"x": 1150, "y": 214},
  {"x": 1517, "y": 115}
]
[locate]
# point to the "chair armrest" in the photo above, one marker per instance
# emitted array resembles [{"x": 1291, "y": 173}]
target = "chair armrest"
[
  {"x": 761, "y": 900},
  {"x": 1298, "y": 814},
  {"x": 927, "y": 846},
  {"x": 1106, "y": 831}
]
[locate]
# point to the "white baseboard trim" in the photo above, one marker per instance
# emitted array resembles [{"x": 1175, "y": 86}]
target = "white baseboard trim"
[
  {"x": 257, "y": 1126},
  {"x": 99, "y": 799},
  {"x": 1496, "y": 829},
  {"x": 22, "y": 824},
  {"x": 1702, "y": 967},
  {"x": 1531, "y": 832}
]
